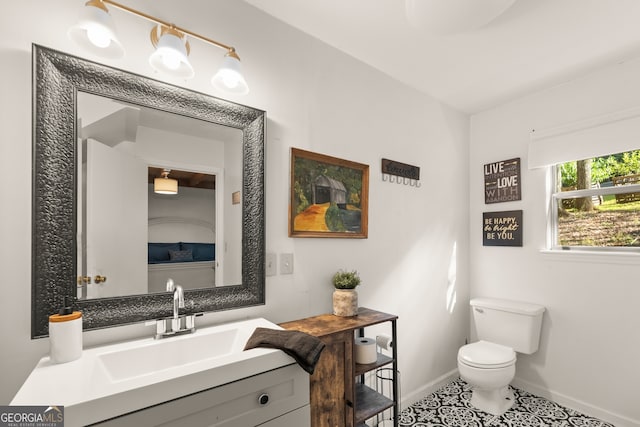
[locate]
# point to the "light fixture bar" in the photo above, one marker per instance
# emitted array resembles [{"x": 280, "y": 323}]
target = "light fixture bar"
[
  {"x": 167, "y": 24},
  {"x": 96, "y": 33}
]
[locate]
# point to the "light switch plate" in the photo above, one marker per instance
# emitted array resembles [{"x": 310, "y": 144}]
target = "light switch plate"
[
  {"x": 286, "y": 263},
  {"x": 271, "y": 264}
]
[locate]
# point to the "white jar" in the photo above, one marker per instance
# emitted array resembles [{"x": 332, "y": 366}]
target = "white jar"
[{"x": 65, "y": 337}]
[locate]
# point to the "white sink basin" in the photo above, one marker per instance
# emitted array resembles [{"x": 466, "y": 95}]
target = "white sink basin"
[
  {"x": 157, "y": 356},
  {"x": 116, "y": 379}
]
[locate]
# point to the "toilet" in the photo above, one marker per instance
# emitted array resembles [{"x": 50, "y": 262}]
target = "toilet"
[{"x": 503, "y": 327}]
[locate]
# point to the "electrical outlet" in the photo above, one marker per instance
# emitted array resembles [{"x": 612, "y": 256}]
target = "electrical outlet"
[
  {"x": 271, "y": 264},
  {"x": 286, "y": 263}
]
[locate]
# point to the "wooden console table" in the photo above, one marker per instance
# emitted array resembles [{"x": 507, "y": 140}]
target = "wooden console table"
[{"x": 339, "y": 397}]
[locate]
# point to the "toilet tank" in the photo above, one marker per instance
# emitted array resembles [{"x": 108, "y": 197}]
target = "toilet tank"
[{"x": 512, "y": 323}]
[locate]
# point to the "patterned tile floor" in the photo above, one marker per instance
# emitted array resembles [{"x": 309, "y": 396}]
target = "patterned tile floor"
[{"x": 449, "y": 407}]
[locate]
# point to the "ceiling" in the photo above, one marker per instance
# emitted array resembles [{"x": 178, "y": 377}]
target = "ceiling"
[
  {"x": 534, "y": 44},
  {"x": 112, "y": 122}
]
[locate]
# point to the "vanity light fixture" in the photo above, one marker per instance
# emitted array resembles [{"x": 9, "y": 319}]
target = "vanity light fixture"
[
  {"x": 229, "y": 76},
  {"x": 172, "y": 51},
  {"x": 165, "y": 185},
  {"x": 96, "y": 32}
]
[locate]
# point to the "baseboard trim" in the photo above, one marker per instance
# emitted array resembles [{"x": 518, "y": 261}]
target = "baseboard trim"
[
  {"x": 427, "y": 389},
  {"x": 578, "y": 405}
]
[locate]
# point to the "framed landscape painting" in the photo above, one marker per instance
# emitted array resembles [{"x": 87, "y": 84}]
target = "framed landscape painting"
[{"x": 329, "y": 196}]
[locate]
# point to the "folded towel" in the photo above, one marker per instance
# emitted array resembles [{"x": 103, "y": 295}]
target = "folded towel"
[{"x": 304, "y": 348}]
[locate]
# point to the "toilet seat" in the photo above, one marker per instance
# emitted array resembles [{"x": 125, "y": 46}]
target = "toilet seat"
[{"x": 486, "y": 355}]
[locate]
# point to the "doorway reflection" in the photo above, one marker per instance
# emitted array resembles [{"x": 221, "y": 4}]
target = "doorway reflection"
[{"x": 123, "y": 225}]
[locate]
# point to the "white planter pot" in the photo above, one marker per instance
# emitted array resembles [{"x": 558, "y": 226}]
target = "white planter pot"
[{"x": 345, "y": 302}]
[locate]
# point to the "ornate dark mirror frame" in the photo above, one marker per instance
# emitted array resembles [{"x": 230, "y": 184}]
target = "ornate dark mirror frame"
[{"x": 57, "y": 77}]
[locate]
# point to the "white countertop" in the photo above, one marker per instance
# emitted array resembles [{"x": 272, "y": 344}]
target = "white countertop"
[{"x": 89, "y": 393}]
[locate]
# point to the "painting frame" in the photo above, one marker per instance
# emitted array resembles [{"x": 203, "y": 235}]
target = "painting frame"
[{"x": 328, "y": 197}]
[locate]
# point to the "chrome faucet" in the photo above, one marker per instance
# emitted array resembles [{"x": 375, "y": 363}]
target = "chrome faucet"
[
  {"x": 178, "y": 300},
  {"x": 177, "y": 324}
]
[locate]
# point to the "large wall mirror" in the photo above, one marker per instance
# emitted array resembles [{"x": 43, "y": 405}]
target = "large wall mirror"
[{"x": 102, "y": 140}]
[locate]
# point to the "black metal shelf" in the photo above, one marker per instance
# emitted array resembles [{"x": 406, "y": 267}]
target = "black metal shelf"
[{"x": 368, "y": 402}]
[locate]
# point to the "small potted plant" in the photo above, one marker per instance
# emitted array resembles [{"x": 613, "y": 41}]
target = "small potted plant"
[{"x": 345, "y": 297}]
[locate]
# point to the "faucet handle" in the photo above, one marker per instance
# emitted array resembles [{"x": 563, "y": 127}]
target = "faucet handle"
[{"x": 170, "y": 284}]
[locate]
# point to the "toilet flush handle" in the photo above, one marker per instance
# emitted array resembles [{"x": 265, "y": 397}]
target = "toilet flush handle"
[{"x": 479, "y": 310}]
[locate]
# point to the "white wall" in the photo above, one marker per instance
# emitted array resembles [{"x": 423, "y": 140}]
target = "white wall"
[
  {"x": 197, "y": 204},
  {"x": 590, "y": 344},
  {"x": 414, "y": 262}
]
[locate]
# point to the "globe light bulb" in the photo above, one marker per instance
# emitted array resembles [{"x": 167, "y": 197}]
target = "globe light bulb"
[
  {"x": 98, "y": 36},
  {"x": 171, "y": 61},
  {"x": 230, "y": 79}
]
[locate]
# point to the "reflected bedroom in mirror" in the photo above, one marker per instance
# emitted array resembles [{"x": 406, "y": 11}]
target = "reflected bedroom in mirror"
[{"x": 154, "y": 200}]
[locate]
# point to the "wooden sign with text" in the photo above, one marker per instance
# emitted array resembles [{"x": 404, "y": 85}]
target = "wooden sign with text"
[
  {"x": 403, "y": 170},
  {"x": 502, "y": 228},
  {"x": 502, "y": 181}
]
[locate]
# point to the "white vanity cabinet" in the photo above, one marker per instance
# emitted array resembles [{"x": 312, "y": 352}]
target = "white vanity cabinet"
[
  {"x": 279, "y": 397},
  {"x": 201, "y": 379}
]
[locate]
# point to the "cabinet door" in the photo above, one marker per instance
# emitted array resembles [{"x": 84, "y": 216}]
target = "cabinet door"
[
  {"x": 235, "y": 404},
  {"x": 297, "y": 418},
  {"x": 332, "y": 389}
]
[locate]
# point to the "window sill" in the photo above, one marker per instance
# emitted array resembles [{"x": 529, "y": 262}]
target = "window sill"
[{"x": 602, "y": 257}]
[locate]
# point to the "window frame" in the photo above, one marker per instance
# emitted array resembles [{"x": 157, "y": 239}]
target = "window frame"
[{"x": 556, "y": 197}]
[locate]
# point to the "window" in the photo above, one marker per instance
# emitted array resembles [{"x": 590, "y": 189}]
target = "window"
[{"x": 595, "y": 203}]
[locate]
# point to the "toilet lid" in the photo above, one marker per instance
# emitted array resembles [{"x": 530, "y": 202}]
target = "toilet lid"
[{"x": 484, "y": 354}]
